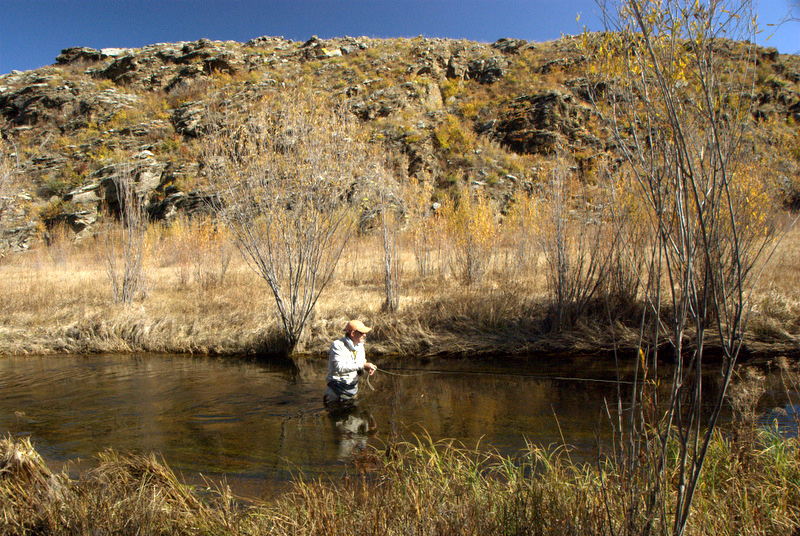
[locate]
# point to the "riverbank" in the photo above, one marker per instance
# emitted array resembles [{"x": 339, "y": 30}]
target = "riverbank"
[
  {"x": 58, "y": 299},
  {"x": 418, "y": 488}
]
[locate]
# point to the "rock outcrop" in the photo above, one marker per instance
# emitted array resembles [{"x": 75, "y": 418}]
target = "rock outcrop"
[{"x": 548, "y": 123}]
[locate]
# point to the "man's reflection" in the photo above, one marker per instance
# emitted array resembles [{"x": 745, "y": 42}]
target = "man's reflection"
[{"x": 353, "y": 426}]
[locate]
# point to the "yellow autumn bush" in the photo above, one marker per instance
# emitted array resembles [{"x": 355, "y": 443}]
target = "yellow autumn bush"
[{"x": 472, "y": 230}]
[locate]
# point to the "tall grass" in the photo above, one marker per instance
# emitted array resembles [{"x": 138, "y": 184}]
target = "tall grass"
[{"x": 421, "y": 487}]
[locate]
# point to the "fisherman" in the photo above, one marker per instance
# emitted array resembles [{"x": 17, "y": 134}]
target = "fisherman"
[{"x": 346, "y": 361}]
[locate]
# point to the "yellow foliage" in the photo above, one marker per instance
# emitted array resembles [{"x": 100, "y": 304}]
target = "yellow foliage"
[
  {"x": 472, "y": 229},
  {"x": 423, "y": 225},
  {"x": 453, "y": 136},
  {"x": 198, "y": 250}
]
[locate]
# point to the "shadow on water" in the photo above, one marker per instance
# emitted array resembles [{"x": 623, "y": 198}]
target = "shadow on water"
[{"x": 258, "y": 426}]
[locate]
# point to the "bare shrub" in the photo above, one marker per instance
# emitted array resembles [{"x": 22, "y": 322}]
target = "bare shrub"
[
  {"x": 124, "y": 238},
  {"x": 571, "y": 241},
  {"x": 672, "y": 89},
  {"x": 287, "y": 173}
]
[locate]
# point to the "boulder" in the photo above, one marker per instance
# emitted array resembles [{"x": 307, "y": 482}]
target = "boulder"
[
  {"x": 87, "y": 194},
  {"x": 487, "y": 71},
  {"x": 184, "y": 77},
  {"x": 511, "y": 46},
  {"x": 169, "y": 54},
  {"x": 79, "y": 221},
  {"x": 223, "y": 63},
  {"x": 103, "y": 187},
  {"x": 190, "y": 119},
  {"x": 457, "y": 68},
  {"x": 119, "y": 71},
  {"x": 42, "y": 100},
  {"x": 76, "y": 54},
  {"x": 430, "y": 96},
  {"x": 45, "y": 161},
  {"x": 267, "y": 41},
  {"x": 115, "y": 52},
  {"x": 107, "y": 102},
  {"x": 18, "y": 238},
  {"x": 17, "y": 231},
  {"x": 48, "y": 99},
  {"x": 323, "y": 52},
  {"x": 318, "y": 49},
  {"x": 190, "y": 204},
  {"x": 381, "y": 103},
  {"x": 198, "y": 50}
]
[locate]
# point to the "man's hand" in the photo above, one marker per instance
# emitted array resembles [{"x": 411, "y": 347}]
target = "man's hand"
[{"x": 370, "y": 368}]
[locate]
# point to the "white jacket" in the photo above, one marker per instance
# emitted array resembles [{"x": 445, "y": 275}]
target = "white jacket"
[{"x": 345, "y": 359}]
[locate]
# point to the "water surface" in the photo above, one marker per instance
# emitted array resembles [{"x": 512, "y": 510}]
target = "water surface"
[{"x": 258, "y": 426}]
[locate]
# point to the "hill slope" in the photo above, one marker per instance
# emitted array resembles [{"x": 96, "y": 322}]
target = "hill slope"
[{"x": 491, "y": 116}]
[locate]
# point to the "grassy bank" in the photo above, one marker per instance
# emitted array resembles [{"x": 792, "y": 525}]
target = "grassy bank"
[
  {"x": 749, "y": 488},
  {"x": 201, "y": 298}
]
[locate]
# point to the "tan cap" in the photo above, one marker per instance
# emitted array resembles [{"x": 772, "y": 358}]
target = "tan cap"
[{"x": 356, "y": 325}]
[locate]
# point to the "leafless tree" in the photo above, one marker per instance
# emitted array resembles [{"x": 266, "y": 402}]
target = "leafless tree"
[
  {"x": 287, "y": 172},
  {"x": 571, "y": 239},
  {"x": 390, "y": 235},
  {"x": 6, "y": 175},
  {"x": 675, "y": 81},
  {"x": 124, "y": 235}
]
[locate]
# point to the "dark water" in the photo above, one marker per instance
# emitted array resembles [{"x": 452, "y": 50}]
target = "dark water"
[{"x": 258, "y": 426}]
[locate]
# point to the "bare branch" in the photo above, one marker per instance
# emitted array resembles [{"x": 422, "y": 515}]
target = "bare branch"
[
  {"x": 286, "y": 172},
  {"x": 678, "y": 76},
  {"x": 124, "y": 237}
]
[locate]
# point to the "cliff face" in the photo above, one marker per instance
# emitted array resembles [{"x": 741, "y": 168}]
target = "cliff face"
[{"x": 488, "y": 116}]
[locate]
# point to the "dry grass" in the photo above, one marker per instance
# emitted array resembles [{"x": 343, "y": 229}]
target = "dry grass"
[
  {"x": 58, "y": 299},
  {"x": 405, "y": 488},
  {"x": 776, "y": 298},
  {"x": 122, "y": 495}
]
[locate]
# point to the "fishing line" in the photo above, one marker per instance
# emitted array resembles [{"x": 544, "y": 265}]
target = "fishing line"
[{"x": 419, "y": 372}]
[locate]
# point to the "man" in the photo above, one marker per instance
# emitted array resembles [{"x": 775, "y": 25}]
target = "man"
[{"x": 346, "y": 360}]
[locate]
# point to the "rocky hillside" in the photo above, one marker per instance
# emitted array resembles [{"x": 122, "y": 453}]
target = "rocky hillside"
[{"x": 489, "y": 116}]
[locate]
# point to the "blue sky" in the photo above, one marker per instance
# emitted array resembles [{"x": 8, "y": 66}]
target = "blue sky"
[{"x": 33, "y": 32}]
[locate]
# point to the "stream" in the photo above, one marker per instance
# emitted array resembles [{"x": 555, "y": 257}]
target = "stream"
[{"x": 258, "y": 426}]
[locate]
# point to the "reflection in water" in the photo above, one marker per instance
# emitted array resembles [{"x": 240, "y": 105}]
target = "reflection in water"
[
  {"x": 352, "y": 425},
  {"x": 259, "y": 426}
]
